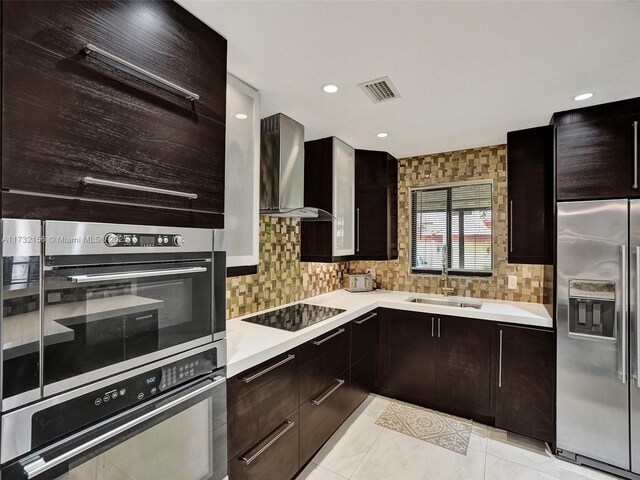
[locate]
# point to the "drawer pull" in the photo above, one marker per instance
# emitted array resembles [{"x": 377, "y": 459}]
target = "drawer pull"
[
  {"x": 360, "y": 322},
  {"x": 140, "y": 188},
  {"x": 289, "y": 425},
  {"x": 329, "y": 393},
  {"x": 88, "y": 48},
  {"x": 326, "y": 339},
  {"x": 268, "y": 369}
]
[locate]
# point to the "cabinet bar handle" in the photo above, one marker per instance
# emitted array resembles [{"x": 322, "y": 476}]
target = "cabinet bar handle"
[
  {"x": 624, "y": 259},
  {"x": 326, "y": 339},
  {"x": 500, "y": 363},
  {"x": 510, "y": 226},
  {"x": 360, "y": 322},
  {"x": 637, "y": 316},
  {"x": 358, "y": 229},
  {"x": 432, "y": 327},
  {"x": 289, "y": 425},
  {"x": 88, "y": 48},
  {"x": 140, "y": 188},
  {"x": 635, "y": 154},
  {"x": 329, "y": 393},
  {"x": 438, "y": 328},
  {"x": 268, "y": 369}
]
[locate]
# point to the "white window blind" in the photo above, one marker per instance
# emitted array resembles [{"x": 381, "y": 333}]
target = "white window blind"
[{"x": 458, "y": 217}]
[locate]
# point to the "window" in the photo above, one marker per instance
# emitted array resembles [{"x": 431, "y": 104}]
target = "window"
[{"x": 454, "y": 221}]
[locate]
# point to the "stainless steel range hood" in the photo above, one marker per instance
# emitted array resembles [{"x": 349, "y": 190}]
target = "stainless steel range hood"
[{"x": 282, "y": 171}]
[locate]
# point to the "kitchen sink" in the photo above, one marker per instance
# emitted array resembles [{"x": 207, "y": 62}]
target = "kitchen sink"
[{"x": 449, "y": 302}]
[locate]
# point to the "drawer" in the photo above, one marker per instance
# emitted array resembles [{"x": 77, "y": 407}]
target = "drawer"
[
  {"x": 260, "y": 399},
  {"x": 364, "y": 336},
  {"x": 322, "y": 360},
  {"x": 274, "y": 457},
  {"x": 63, "y": 121},
  {"x": 321, "y": 416},
  {"x": 158, "y": 36}
]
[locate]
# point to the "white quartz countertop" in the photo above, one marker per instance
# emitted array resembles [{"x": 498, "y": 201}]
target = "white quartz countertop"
[{"x": 249, "y": 344}]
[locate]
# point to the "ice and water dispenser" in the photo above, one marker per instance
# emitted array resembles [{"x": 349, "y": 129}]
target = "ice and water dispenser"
[{"x": 592, "y": 309}]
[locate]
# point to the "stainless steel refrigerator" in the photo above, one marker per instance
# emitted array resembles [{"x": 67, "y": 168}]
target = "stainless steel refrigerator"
[{"x": 598, "y": 350}]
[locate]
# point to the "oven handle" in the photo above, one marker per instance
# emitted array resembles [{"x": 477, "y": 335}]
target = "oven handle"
[
  {"x": 141, "y": 274},
  {"x": 38, "y": 466}
]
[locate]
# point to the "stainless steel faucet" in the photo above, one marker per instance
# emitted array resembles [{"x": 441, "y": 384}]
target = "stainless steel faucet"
[{"x": 446, "y": 289}]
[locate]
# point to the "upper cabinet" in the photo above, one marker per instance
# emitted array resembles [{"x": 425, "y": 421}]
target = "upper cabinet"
[
  {"x": 329, "y": 184},
  {"x": 530, "y": 195},
  {"x": 376, "y": 206},
  {"x": 597, "y": 152},
  {"x": 117, "y": 102},
  {"x": 242, "y": 170}
]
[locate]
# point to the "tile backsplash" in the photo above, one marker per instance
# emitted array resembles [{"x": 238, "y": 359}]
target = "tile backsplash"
[
  {"x": 484, "y": 163},
  {"x": 282, "y": 278}
]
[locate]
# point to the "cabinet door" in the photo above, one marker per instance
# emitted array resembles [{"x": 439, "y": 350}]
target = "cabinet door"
[
  {"x": 364, "y": 336},
  {"x": 343, "y": 198},
  {"x": 242, "y": 171},
  {"x": 595, "y": 159},
  {"x": 376, "y": 205},
  {"x": 275, "y": 456},
  {"x": 68, "y": 116},
  {"x": 526, "y": 372},
  {"x": 412, "y": 356},
  {"x": 530, "y": 180},
  {"x": 463, "y": 378}
]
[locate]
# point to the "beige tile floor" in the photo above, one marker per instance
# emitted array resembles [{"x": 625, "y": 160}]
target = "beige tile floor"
[{"x": 362, "y": 450}]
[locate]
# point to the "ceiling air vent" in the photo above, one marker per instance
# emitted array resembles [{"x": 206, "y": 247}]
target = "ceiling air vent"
[{"x": 380, "y": 89}]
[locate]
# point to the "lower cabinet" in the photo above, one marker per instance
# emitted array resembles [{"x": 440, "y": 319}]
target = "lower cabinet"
[
  {"x": 281, "y": 412},
  {"x": 463, "y": 366},
  {"x": 526, "y": 379},
  {"x": 275, "y": 456},
  {"x": 498, "y": 374},
  {"x": 323, "y": 414}
]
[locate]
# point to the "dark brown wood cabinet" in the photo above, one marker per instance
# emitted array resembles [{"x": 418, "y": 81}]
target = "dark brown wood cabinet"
[
  {"x": 322, "y": 360},
  {"x": 321, "y": 415},
  {"x": 437, "y": 361},
  {"x": 364, "y": 345},
  {"x": 463, "y": 366},
  {"x": 408, "y": 355},
  {"x": 376, "y": 197},
  {"x": 259, "y": 400},
  {"x": 595, "y": 155},
  {"x": 526, "y": 379},
  {"x": 278, "y": 461},
  {"x": 329, "y": 170},
  {"x": 69, "y": 114},
  {"x": 530, "y": 195}
]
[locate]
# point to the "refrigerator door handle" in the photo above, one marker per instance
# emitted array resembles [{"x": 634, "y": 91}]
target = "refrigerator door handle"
[
  {"x": 637, "y": 326},
  {"x": 623, "y": 311}
]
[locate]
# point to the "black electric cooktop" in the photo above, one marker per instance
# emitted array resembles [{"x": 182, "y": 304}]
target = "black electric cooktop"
[{"x": 295, "y": 317}]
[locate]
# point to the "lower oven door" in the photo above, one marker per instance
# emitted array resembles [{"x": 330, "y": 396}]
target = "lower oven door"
[
  {"x": 181, "y": 435},
  {"x": 101, "y": 320}
]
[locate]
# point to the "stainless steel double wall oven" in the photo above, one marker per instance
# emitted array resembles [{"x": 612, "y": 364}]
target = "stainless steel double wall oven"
[{"x": 113, "y": 351}]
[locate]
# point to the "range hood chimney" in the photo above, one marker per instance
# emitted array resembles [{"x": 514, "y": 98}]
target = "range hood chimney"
[{"x": 282, "y": 170}]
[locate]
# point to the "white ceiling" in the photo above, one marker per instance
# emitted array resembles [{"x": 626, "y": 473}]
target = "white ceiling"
[{"x": 467, "y": 72}]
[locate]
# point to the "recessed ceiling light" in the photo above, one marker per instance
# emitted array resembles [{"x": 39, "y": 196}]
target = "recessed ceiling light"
[
  {"x": 330, "y": 88},
  {"x": 241, "y": 116},
  {"x": 382, "y": 134},
  {"x": 583, "y": 96}
]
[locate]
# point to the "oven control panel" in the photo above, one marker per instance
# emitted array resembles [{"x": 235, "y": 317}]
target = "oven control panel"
[
  {"x": 114, "y": 239},
  {"x": 67, "y": 416}
]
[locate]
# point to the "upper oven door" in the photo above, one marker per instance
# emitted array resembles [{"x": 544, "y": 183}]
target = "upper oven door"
[
  {"x": 180, "y": 435},
  {"x": 101, "y": 320}
]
